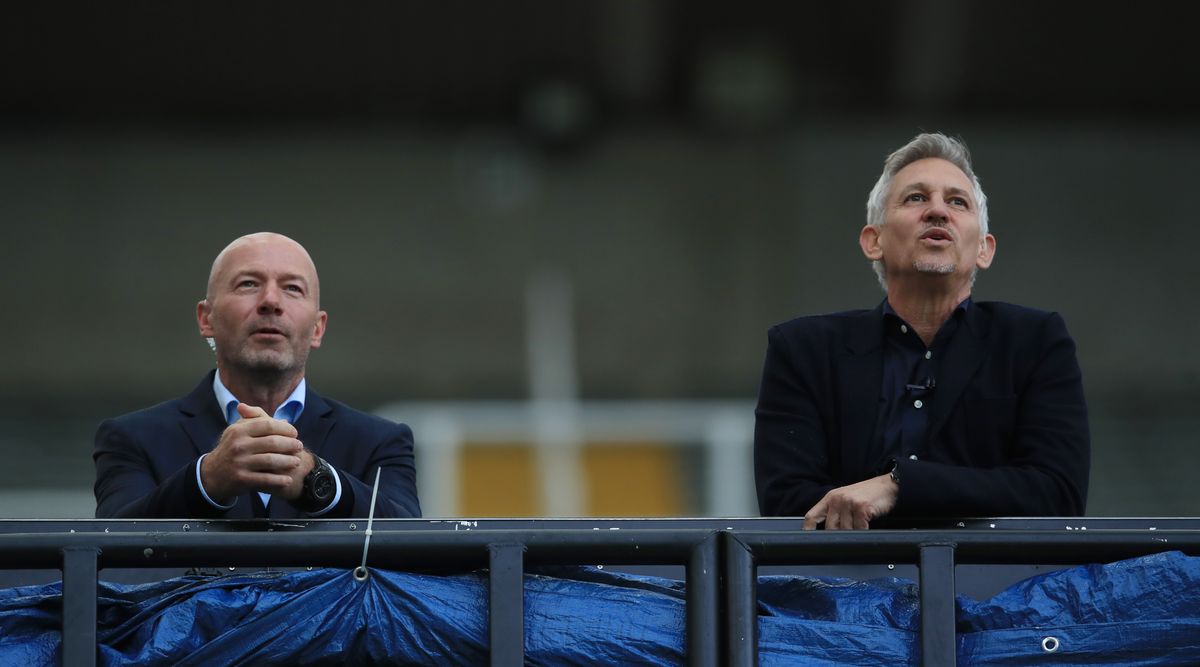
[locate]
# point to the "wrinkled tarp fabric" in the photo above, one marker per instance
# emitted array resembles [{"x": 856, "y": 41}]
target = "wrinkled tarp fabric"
[
  {"x": 1138, "y": 613},
  {"x": 1142, "y": 612}
]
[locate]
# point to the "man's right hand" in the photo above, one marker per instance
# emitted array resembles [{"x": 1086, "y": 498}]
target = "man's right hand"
[
  {"x": 254, "y": 454},
  {"x": 854, "y": 506}
]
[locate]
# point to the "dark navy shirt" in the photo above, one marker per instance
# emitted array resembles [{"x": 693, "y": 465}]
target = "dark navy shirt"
[{"x": 910, "y": 381}]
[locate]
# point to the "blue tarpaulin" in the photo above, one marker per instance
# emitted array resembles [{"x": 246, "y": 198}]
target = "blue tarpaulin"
[
  {"x": 1139, "y": 612},
  {"x": 1144, "y": 611}
]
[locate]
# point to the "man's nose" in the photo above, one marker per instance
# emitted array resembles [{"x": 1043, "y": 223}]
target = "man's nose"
[
  {"x": 271, "y": 299},
  {"x": 937, "y": 211}
]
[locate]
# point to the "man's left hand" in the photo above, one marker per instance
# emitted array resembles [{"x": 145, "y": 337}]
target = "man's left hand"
[
  {"x": 307, "y": 463},
  {"x": 853, "y": 507}
]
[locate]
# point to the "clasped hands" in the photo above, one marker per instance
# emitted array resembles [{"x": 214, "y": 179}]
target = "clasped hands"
[
  {"x": 854, "y": 506},
  {"x": 256, "y": 453}
]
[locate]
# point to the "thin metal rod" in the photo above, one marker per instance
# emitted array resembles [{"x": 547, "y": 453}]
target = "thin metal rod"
[
  {"x": 506, "y": 604},
  {"x": 79, "y": 605},
  {"x": 937, "y": 605},
  {"x": 703, "y": 604}
]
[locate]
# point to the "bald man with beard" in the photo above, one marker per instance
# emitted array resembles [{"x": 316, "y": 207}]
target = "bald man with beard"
[{"x": 252, "y": 440}]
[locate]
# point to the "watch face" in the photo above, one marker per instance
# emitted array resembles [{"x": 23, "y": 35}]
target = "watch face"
[{"x": 322, "y": 488}]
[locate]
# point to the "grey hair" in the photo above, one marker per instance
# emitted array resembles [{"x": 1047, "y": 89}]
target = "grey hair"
[{"x": 922, "y": 146}]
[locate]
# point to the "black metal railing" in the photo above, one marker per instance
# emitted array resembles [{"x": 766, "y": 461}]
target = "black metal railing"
[{"x": 720, "y": 558}]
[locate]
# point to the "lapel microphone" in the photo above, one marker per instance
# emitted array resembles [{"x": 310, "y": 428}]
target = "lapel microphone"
[{"x": 929, "y": 384}]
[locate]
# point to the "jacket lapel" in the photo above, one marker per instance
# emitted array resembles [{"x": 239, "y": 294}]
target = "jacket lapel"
[
  {"x": 963, "y": 356},
  {"x": 315, "y": 422},
  {"x": 860, "y": 374},
  {"x": 203, "y": 422}
]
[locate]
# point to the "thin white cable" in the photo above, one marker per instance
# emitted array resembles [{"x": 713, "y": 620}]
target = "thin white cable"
[{"x": 360, "y": 572}]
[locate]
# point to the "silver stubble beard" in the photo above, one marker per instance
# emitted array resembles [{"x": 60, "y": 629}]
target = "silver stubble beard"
[
  {"x": 268, "y": 366},
  {"x": 933, "y": 266}
]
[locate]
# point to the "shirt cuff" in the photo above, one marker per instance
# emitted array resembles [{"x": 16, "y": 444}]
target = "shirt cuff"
[
  {"x": 205, "y": 493},
  {"x": 337, "y": 494}
]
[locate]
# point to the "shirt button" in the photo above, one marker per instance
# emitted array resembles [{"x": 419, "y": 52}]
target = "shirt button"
[
  {"x": 928, "y": 354},
  {"x": 903, "y": 328},
  {"x": 912, "y": 457},
  {"x": 918, "y": 404}
]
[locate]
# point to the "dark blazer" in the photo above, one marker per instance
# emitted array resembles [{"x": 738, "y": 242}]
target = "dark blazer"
[
  {"x": 146, "y": 460},
  {"x": 1008, "y": 429}
]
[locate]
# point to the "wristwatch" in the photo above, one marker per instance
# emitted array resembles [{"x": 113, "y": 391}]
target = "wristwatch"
[
  {"x": 890, "y": 468},
  {"x": 319, "y": 487}
]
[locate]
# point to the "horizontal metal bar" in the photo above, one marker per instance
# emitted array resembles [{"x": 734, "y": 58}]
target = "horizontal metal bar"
[
  {"x": 450, "y": 549},
  {"x": 439, "y": 549},
  {"x": 971, "y": 546},
  {"x": 770, "y": 524}
]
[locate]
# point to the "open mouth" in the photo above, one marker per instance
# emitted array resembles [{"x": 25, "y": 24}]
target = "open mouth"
[{"x": 937, "y": 235}]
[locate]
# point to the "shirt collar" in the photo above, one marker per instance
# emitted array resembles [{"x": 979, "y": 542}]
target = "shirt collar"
[
  {"x": 958, "y": 310},
  {"x": 288, "y": 411}
]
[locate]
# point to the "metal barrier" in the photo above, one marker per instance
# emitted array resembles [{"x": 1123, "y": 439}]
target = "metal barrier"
[{"x": 720, "y": 557}]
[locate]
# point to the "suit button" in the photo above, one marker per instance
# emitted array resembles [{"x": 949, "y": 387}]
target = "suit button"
[
  {"x": 918, "y": 404},
  {"x": 912, "y": 457}
]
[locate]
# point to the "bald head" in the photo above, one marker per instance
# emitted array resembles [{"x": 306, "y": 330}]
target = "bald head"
[
  {"x": 262, "y": 313},
  {"x": 231, "y": 260}
]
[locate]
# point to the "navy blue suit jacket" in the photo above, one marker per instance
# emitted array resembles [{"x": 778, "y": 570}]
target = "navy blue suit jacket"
[
  {"x": 146, "y": 461},
  {"x": 1008, "y": 429}
]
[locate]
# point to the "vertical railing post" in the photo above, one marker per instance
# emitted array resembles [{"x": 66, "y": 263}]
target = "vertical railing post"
[
  {"x": 703, "y": 601},
  {"x": 79, "y": 605},
  {"x": 937, "y": 605},
  {"x": 740, "y": 602},
  {"x": 506, "y": 604}
]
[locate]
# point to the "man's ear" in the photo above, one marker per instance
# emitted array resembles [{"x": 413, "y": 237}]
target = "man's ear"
[
  {"x": 203, "y": 318},
  {"x": 868, "y": 240},
  {"x": 319, "y": 329},
  {"x": 987, "y": 251}
]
